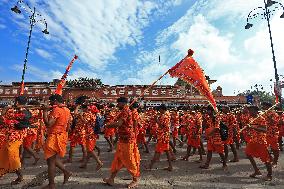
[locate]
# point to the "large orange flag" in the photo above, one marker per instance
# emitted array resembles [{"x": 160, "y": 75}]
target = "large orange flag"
[
  {"x": 63, "y": 78},
  {"x": 189, "y": 71}
]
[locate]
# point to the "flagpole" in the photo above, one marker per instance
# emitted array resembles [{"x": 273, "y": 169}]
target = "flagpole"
[{"x": 135, "y": 100}]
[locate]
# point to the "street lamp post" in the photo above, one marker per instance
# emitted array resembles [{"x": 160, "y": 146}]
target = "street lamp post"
[
  {"x": 34, "y": 17},
  {"x": 266, "y": 13}
]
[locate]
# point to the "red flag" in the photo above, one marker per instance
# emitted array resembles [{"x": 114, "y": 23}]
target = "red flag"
[
  {"x": 189, "y": 71},
  {"x": 61, "y": 84}
]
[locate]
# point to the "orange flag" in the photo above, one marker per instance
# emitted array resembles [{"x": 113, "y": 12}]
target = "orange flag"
[
  {"x": 189, "y": 71},
  {"x": 61, "y": 84}
]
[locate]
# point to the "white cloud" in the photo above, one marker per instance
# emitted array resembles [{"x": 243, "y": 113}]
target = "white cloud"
[
  {"x": 237, "y": 58},
  {"x": 43, "y": 53}
]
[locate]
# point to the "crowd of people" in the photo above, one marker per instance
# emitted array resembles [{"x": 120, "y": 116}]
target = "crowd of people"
[{"x": 130, "y": 128}]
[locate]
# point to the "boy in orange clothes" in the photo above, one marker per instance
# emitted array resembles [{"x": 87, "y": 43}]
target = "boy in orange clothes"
[
  {"x": 230, "y": 120},
  {"x": 163, "y": 137},
  {"x": 127, "y": 153},
  {"x": 194, "y": 135},
  {"x": 272, "y": 134},
  {"x": 77, "y": 135},
  {"x": 57, "y": 123},
  {"x": 32, "y": 134},
  {"x": 214, "y": 142},
  {"x": 109, "y": 133},
  {"x": 257, "y": 145},
  {"x": 10, "y": 161},
  {"x": 88, "y": 120}
]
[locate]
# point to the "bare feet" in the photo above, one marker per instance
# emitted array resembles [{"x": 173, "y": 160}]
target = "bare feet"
[
  {"x": 108, "y": 181},
  {"x": 99, "y": 166},
  {"x": 17, "y": 181},
  {"x": 268, "y": 178},
  {"x": 258, "y": 173},
  {"x": 133, "y": 184},
  {"x": 67, "y": 175},
  {"x": 169, "y": 169}
]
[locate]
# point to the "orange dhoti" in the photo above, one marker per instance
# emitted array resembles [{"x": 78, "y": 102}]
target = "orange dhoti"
[
  {"x": 195, "y": 143},
  {"x": 10, "y": 157},
  {"x": 55, "y": 144},
  {"x": 109, "y": 132},
  {"x": 162, "y": 147},
  {"x": 215, "y": 147},
  {"x": 273, "y": 143},
  {"x": 127, "y": 155},
  {"x": 258, "y": 151},
  {"x": 29, "y": 140}
]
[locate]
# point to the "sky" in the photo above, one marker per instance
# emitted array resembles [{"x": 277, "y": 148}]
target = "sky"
[{"x": 120, "y": 41}]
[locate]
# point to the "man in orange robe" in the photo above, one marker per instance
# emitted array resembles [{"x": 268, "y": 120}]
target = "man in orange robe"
[
  {"x": 88, "y": 117},
  {"x": 257, "y": 145},
  {"x": 57, "y": 123},
  {"x": 32, "y": 135},
  {"x": 10, "y": 161},
  {"x": 109, "y": 133},
  {"x": 163, "y": 137},
  {"x": 77, "y": 135},
  {"x": 214, "y": 142},
  {"x": 127, "y": 153},
  {"x": 230, "y": 120},
  {"x": 272, "y": 133},
  {"x": 194, "y": 135}
]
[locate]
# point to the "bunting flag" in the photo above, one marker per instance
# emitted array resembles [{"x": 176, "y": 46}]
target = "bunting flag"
[
  {"x": 62, "y": 82},
  {"x": 189, "y": 71}
]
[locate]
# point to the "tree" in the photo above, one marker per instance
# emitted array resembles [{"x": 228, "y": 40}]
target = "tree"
[
  {"x": 85, "y": 83},
  {"x": 258, "y": 91}
]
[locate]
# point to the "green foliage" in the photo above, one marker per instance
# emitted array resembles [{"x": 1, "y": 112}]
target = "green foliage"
[
  {"x": 85, "y": 83},
  {"x": 263, "y": 95}
]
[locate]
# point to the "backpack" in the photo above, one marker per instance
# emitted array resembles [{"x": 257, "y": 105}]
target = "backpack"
[
  {"x": 99, "y": 123},
  {"x": 24, "y": 122},
  {"x": 224, "y": 131}
]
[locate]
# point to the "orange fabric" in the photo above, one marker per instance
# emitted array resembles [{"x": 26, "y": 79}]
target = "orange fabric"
[
  {"x": 162, "y": 147},
  {"x": 210, "y": 125},
  {"x": 91, "y": 136},
  {"x": 126, "y": 130},
  {"x": 10, "y": 157},
  {"x": 256, "y": 136},
  {"x": 189, "y": 70},
  {"x": 258, "y": 151},
  {"x": 110, "y": 116},
  {"x": 78, "y": 134},
  {"x": 195, "y": 131},
  {"x": 55, "y": 144},
  {"x": 273, "y": 143},
  {"x": 163, "y": 131},
  {"x": 218, "y": 148},
  {"x": 56, "y": 141},
  {"x": 127, "y": 155}
]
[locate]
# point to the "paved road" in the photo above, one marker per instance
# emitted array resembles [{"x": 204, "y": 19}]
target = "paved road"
[{"x": 185, "y": 174}]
